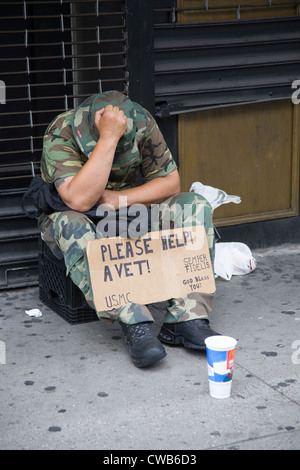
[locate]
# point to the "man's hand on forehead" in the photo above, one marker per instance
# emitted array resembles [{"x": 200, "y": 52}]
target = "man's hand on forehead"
[{"x": 111, "y": 122}]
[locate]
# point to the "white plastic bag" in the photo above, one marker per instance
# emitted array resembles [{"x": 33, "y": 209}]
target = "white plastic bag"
[
  {"x": 216, "y": 197},
  {"x": 35, "y": 312},
  {"x": 233, "y": 258}
]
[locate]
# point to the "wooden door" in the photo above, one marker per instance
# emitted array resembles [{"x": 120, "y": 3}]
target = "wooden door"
[{"x": 252, "y": 150}]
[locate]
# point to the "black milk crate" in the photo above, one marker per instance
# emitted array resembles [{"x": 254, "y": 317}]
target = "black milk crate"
[{"x": 59, "y": 292}]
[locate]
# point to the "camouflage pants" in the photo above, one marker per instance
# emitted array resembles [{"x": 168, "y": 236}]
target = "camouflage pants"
[{"x": 67, "y": 233}]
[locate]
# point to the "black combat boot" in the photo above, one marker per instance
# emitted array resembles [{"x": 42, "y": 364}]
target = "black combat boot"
[
  {"x": 142, "y": 343},
  {"x": 191, "y": 334}
]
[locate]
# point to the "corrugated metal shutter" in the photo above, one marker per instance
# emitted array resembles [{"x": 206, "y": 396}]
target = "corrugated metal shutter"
[
  {"x": 53, "y": 54},
  {"x": 214, "y": 64}
]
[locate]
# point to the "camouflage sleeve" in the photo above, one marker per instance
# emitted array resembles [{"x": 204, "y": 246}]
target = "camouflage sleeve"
[
  {"x": 61, "y": 157},
  {"x": 157, "y": 160}
]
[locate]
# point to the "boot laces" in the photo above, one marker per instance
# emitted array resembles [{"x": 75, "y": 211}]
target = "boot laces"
[
  {"x": 201, "y": 323},
  {"x": 140, "y": 330}
]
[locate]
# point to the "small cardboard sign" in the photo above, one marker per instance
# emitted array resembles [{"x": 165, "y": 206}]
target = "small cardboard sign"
[{"x": 155, "y": 267}]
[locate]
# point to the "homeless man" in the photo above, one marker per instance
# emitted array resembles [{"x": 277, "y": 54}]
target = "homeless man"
[{"x": 92, "y": 154}]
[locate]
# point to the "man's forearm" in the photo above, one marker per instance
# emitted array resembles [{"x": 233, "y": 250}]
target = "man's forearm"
[
  {"x": 152, "y": 192},
  {"x": 83, "y": 190},
  {"x": 155, "y": 191}
]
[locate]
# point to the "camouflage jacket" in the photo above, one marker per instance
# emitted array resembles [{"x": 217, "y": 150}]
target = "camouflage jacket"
[{"x": 62, "y": 156}]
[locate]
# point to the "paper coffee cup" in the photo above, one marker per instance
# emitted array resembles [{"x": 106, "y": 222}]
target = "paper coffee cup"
[{"x": 220, "y": 358}]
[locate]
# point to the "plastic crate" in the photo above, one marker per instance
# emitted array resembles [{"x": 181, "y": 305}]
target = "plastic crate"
[{"x": 58, "y": 292}]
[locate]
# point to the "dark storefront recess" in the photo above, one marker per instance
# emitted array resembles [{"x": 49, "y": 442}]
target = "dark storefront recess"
[{"x": 53, "y": 55}]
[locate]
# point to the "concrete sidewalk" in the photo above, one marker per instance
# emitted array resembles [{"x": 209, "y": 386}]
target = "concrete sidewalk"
[{"x": 74, "y": 386}]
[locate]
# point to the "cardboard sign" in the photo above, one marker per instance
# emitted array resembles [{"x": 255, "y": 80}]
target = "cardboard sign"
[{"x": 153, "y": 268}]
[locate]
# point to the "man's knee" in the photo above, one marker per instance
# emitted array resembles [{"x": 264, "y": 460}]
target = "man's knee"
[
  {"x": 72, "y": 227},
  {"x": 73, "y": 224},
  {"x": 186, "y": 209}
]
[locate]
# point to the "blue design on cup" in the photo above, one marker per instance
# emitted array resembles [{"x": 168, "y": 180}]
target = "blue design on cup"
[{"x": 214, "y": 357}]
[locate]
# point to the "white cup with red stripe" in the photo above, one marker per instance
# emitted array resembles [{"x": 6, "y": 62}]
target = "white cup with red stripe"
[{"x": 220, "y": 358}]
